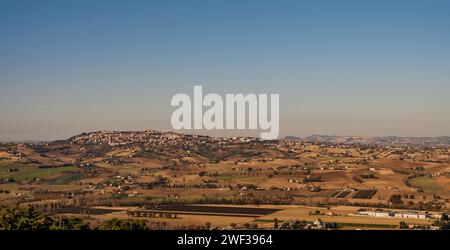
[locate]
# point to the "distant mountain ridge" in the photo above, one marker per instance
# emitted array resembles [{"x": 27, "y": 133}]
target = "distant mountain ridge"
[{"x": 383, "y": 140}]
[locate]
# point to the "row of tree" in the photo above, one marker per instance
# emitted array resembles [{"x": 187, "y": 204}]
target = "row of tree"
[{"x": 29, "y": 218}]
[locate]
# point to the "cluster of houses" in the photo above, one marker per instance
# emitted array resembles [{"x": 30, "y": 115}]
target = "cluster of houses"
[
  {"x": 317, "y": 224},
  {"x": 441, "y": 173}
]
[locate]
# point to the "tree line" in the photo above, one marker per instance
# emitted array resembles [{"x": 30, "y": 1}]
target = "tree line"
[{"x": 29, "y": 218}]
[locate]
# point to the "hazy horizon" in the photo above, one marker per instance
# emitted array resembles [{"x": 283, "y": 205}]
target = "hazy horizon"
[
  {"x": 201, "y": 132},
  {"x": 378, "y": 68}
]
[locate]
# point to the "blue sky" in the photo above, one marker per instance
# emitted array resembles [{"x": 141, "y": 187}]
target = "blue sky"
[{"x": 340, "y": 67}]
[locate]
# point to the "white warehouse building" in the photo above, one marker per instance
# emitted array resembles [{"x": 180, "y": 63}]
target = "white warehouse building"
[{"x": 391, "y": 214}]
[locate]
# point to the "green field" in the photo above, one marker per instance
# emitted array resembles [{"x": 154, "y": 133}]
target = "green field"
[
  {"x": 30, "y": 171},
  {"x": 426, "y": 183},
  {"x": 66, "y": 179},
  {"x": 360, "y": 225},
  {"x": 342, "y": 224}
]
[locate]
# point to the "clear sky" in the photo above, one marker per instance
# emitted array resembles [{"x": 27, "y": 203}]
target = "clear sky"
[{"x": 341, "y": 67}]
